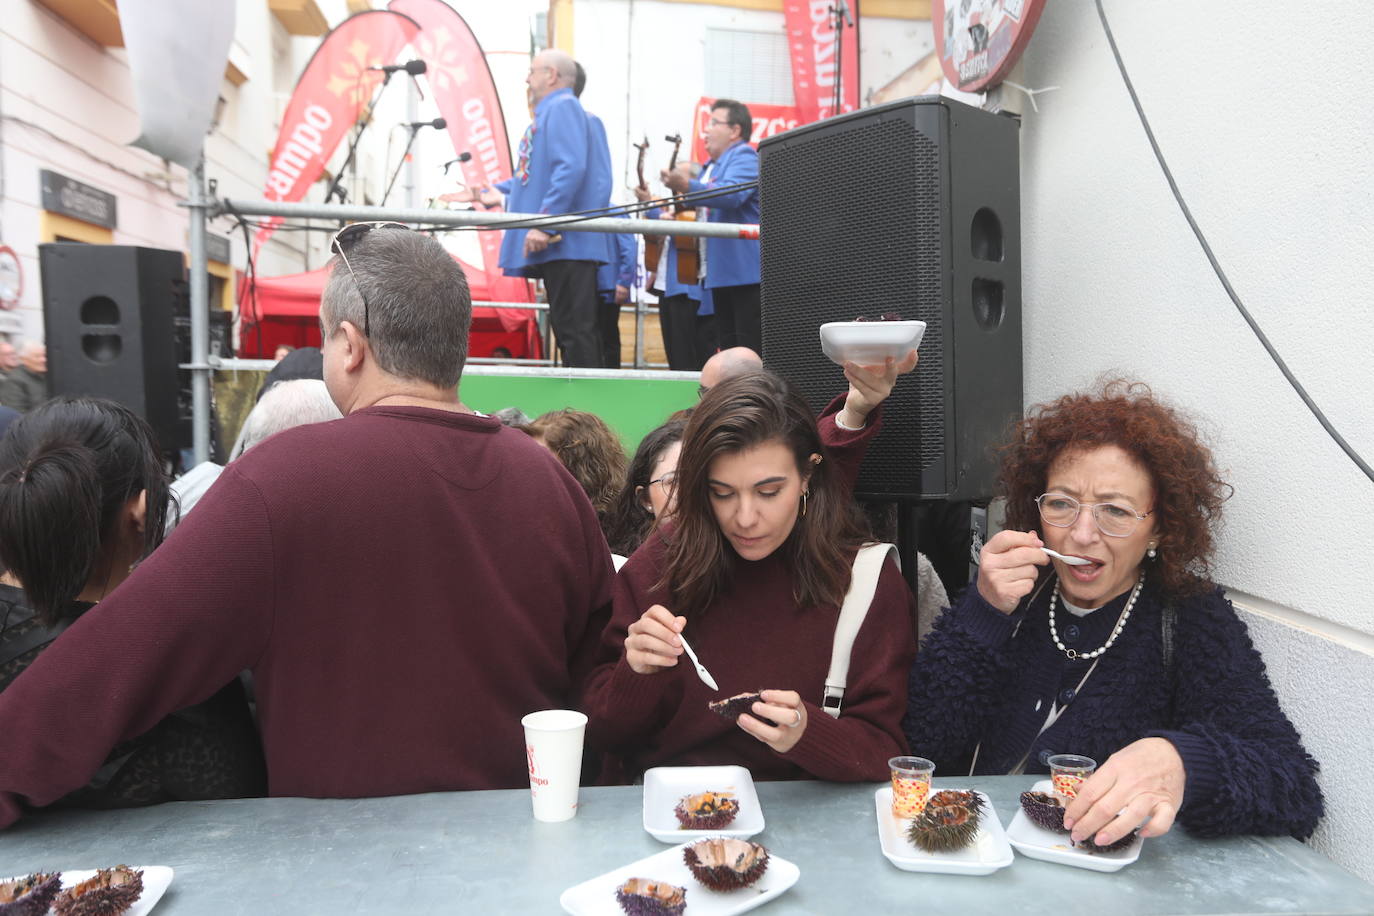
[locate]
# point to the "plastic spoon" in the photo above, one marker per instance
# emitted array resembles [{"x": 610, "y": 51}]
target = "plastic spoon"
[
  {"x": 701, "y": 669},
  {"x": 1072, "y": 561}
]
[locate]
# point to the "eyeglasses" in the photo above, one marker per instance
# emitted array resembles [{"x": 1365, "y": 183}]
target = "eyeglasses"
[
  {"x": 343, "y": 242},
  {"x": 668, "y": 481},
  {"x": 1113, "y": 519},
  {"x": 717, "y": 122}
]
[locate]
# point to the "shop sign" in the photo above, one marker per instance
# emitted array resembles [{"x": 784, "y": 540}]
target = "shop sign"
[{"x": 79, "y": 201}]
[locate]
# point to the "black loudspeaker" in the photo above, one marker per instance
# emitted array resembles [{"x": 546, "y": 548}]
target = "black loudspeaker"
[
  {"x": 109, "y": 313},
  {"x": 910, "y": 208}
]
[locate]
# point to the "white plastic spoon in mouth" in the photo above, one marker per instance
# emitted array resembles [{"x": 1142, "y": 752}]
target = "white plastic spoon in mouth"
[{"x": 1072, "y": 561}]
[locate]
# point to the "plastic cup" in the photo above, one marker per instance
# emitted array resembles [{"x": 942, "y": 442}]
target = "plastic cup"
[
  {"x": 553, "y": 749},
  {"x": 910, "y": 785},
  {"x": 1067, "y": 772}
]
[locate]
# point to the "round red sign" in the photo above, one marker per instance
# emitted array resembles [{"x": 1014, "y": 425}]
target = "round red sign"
[{"x": 979, "y": 40}]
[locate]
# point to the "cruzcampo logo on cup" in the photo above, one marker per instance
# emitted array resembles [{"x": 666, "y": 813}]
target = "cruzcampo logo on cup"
[
  {"x": 1067, "y": 772},
  {"x": 910, "y": 784}
]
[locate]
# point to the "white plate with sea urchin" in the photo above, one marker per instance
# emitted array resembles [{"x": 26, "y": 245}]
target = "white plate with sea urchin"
[
  {"x": 1035, "y": 842},
  {"x": 988, "y": 852},
  {"x": 664, "y": 787},
  {"x": 597, "y": 896},
  {"x": 156, "y": 880}
]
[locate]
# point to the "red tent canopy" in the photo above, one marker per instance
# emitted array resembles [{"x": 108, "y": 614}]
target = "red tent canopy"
[{"x": 289, "y": 309}]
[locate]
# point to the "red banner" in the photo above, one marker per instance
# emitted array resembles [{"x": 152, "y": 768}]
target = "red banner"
[
  {"x": 811, "y": 39},
  {"x": 768, "y": 120},
  {"x": 330, "y": 96},
  {"x": 465, "y": 95}
]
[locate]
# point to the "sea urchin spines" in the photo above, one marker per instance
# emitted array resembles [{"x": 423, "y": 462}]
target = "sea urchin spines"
[
  {"x": 110, "y": 892},
  {"x": 1044, "y": 810},
  {"x": 726, "y": 863},
  {"x": 1088, "y": 845},
  {"x": 30, "y": 895},
  {"x": 964, "y": 798},
  {"x": 706, "y": 811},
  {"x": 947, "y": 828},
  {"x": 647, "y": 897}
]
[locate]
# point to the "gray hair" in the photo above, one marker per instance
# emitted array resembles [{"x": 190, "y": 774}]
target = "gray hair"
[
  {"x": 512, "y": 416},
  {"x": 563, "y": 64},
  {"x": 419, "y": 310},
  {"x": 294, "y": 402}
]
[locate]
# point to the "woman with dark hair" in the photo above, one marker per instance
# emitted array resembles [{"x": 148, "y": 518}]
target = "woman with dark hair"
[
  {"x": 752, "y": 570},
  {"x": 1126, "y": 653},
  {"x": 592, "y": 453},
  {"x": 648, "y": 496},
  {"x": 83, "y": 499}
]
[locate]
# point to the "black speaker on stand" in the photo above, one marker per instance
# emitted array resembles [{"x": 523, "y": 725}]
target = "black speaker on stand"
[{"x": 912, "y": 208}]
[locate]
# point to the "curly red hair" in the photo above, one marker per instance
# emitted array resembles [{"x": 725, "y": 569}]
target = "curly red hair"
[{"x": 1188, "y": 491}]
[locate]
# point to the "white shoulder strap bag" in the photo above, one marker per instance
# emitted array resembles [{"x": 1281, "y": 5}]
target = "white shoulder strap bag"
[{"x": 863, "y": 584}]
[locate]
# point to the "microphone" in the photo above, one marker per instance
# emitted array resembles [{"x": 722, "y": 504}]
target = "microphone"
[
  {"x": 437, "y": 124},
  {"x": 461, "y": 157},
  {"x": 844, "y": 8},
  {"x": 413, "y": 67}
]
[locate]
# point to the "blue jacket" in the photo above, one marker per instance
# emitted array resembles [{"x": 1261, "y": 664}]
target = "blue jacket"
[
  {"x": 732, "y": 262},
  {"x": 667, "y": 268},
  {"x": 984, "y": 676},
  {"x": 561, "y": 180},
  {"x": 623, "y": 268}
]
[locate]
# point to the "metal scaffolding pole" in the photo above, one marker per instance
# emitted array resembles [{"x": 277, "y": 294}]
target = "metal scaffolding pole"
[
  {"x": 200, "y": 315},
  {"x": 353, "y": 213}
]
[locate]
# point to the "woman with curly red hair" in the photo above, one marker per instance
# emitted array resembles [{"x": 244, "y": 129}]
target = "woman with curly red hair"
[{"x": 1128, "y": 655}]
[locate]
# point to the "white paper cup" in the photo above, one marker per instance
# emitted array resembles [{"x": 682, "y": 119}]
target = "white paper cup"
[{"x": 553, "y": 749}]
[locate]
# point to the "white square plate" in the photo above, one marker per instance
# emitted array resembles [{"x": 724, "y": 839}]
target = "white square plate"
[
  {"x": 868, "y": 343},
  {"x": 1036, "y": 842},
  {"x": 597, "y": 896},
  {"x": 988, "y": 853},
  {"x": 664, "y": 787},
  {"x": 156, "y": 880}
]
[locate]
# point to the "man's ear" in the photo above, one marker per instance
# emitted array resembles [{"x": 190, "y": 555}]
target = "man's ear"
[{"x": 354, "y": 346}]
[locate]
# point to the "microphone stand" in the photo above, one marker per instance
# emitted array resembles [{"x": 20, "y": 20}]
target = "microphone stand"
[
  {"x": 410, "y": 141},
  {"x": 841, "y": 13},
  {"x": 336, "y": 186}
]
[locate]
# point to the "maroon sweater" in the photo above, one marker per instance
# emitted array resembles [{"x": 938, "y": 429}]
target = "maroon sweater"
[
  {"x": 757, "y": 636},
  {"x": 404, "y": 583}
]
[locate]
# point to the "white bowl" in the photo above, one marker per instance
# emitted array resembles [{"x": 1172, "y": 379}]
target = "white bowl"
[{"x": 869, "y": 343}]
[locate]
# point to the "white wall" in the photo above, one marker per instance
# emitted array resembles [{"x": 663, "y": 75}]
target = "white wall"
[{"x": 1264, "y": 118}]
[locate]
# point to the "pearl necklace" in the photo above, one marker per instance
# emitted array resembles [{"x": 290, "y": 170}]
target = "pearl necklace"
[{"x": 1116, "y": 631}]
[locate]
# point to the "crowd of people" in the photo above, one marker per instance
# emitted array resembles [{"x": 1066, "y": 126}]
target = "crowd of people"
[
  {"x": 403, "y": 584},
  {"x": 564, "y": 166}
]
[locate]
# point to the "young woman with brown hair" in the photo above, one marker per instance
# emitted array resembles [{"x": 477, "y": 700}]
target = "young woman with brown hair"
[{"x": 752, "y": 570}]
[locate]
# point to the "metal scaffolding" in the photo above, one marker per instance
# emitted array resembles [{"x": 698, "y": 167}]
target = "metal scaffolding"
[{"x": 202, "y": 209}]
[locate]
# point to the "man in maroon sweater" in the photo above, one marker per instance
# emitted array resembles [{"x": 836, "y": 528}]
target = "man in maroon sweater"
[{"x": 405, "y": 583}]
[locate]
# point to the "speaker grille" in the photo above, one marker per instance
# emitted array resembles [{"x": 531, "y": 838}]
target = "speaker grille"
[{"x": 853, "y": 226}]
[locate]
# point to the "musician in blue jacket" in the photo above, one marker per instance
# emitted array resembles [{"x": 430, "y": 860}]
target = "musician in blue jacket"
[
  {"x": 731, "y": 266},
  {"x": 555, "y": 174}
]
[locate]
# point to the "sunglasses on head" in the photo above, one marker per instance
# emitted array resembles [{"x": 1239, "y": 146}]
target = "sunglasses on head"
[{"x": 343, "y": 242}]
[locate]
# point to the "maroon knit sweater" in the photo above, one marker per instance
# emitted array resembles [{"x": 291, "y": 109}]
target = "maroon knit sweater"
[
  {"x": 404, "y": 583},
  {"x": 757, "y": 636}
]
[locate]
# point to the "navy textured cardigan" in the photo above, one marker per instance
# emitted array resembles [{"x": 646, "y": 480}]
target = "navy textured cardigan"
[{"x": 982, "y": 675}]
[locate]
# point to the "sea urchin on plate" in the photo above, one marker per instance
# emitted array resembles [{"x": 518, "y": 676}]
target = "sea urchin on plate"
[
  {"x": 30, "y": 895},
  {"x": 647, "y": 897},
  {"x": 1088, "y": 845},
  {"x": 110, "y": 892},
  {"x": 726, "y": 863},
  {"x": 943, "y": 828},
  {"x": 964, "y": 798},
  {"x": 706, "y": 810},
  {"x": 1044, "y": 810}
]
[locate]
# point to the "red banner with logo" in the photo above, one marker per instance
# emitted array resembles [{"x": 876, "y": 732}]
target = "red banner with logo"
[
  {"x": 768, "y": 120},
  {"x": 811, "y": 40},
  {"x": 330, "y": 96},
  {"x": 465, "y": 94}
]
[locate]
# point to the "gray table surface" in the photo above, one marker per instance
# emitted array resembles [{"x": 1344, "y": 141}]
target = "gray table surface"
[{"x": 482, "y": 852}]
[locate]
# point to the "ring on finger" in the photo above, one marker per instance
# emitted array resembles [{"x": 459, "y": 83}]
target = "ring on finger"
[{"x": 796, "y": 724}]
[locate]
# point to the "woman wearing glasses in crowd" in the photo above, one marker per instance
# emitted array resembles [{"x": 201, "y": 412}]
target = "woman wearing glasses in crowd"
[
  {"x": 1134, "y": 659},
  {"x": 751, "y": 570}
]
